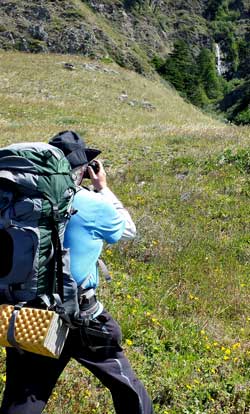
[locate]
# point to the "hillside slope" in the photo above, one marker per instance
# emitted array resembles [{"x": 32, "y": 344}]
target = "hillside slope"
[
  {"x": 130, "y": 31},
  {"x": 181, "y": 289},
  {"x": 136, "y": 33}
]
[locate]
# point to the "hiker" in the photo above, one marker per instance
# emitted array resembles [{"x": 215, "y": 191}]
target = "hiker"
[{"x": 95, "y": 340}]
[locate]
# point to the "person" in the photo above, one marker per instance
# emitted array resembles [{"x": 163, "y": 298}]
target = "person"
[{"x": 96, "y": 340}]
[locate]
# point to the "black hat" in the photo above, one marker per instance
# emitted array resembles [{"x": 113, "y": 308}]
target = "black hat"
[{"x": 74, "y": 148}]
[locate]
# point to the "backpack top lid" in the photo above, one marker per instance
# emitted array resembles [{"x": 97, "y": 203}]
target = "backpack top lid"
[
  {"x": 45, "y": 157},
  {"x": 35, "y": 168}
]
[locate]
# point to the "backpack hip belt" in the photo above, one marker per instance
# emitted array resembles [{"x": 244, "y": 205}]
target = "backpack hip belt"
[{"x": 86, "y": 298}]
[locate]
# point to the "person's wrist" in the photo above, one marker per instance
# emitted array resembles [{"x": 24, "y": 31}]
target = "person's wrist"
[{"x": 100, "y": 187}]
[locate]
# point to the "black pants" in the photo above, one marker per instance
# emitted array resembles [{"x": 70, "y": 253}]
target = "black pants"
[{"x": 31, "y": 377}]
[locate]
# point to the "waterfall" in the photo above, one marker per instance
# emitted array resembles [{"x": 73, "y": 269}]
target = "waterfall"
[{"x": 218, "y": 59}]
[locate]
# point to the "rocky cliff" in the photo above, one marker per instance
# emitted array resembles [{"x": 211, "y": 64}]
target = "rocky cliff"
[{"x": 131, "y": 32}]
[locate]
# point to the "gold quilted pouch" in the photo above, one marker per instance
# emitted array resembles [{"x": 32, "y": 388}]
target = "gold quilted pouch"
[{"x": 35, "y": 330}]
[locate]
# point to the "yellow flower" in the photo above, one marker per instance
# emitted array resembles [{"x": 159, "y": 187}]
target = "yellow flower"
[
  {"x": 236, "y": 345},
  {"x": 226, "y": 358},
  {"x": 109, "y": 252},
  {"x": 3, "y": 377},
  {"x": 203, "y": 332},
  {"x": 129, "y": 342},
  {"x": 155, "y": 242},
  {"x": 87, "y": 393},
  {"x": 55, "y": 395},
  {"x": 228, "y": 351}
]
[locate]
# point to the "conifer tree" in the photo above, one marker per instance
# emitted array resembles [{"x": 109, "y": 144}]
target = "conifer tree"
[
  {"x": 179, "y": 68},
  {"x": 208, "y": 74}
]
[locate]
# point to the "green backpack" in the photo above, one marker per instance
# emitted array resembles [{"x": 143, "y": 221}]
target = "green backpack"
[{"x": 36, "y": 193}]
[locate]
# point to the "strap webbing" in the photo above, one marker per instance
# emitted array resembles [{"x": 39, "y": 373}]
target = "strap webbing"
[
  {"x": 104, "y": 270},
  {"x": 57, "y": 281},
  {"x": 11, "y": 328}
]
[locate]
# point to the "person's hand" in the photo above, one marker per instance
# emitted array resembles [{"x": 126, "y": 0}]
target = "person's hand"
[{"x": 99, "y": 180}]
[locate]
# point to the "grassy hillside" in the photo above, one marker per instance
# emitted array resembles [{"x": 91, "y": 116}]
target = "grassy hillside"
[
  {"x": 181, "y": 289},
  {"x": 208, "y": 39}
]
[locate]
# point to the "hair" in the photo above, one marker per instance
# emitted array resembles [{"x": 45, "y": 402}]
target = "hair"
[{"x": 77, "y": 173}]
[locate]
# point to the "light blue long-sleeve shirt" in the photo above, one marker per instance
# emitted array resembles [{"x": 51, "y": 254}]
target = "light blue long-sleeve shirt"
[{"x": 97, "y": 220}]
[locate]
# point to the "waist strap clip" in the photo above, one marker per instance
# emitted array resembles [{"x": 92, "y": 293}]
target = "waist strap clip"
[{"x": 85, "y": 295}]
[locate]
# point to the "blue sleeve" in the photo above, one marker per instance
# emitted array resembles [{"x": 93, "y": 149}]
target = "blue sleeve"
[{"x": 109, "y": 224}]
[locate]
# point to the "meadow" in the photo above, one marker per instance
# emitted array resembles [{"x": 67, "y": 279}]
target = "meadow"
[{"x": 181, "y": 289}]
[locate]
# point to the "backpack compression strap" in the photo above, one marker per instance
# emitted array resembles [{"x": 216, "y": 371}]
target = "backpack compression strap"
[
  {"x": 57, "y": 281},
  {"x": 11, "y": 329}
]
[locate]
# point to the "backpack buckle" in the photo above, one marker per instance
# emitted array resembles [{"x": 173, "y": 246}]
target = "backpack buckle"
[{"x": 56, "y": 214}]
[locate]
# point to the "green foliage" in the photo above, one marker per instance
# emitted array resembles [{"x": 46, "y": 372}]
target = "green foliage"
[
  {"x": 208, "y": 76},
  {"x": 244, "y": 57},
  {"x": 219, "y": 10},
  {"x": 150, "y": 5},
  {"x": 199, "y": 96},
  {"x": 194, "y": 77},
  {"x": 236, "y": 103},
  {"x": 179, "y": 68},
  {"x": 158, "y": 63},
  {"x": 213, "y": 7},
  {"x": 243, "y": 117},
  {"x": 37, "y": 46},
  {"x": 240, "y": 159},
  {"x": 233, "y": 51},
  {"x": 107, "y": 59},
  {"x": 72, "y": 13},
  {"x": 130, "y": 4}
]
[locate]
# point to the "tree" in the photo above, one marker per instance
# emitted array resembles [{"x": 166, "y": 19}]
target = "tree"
[
  {"x": 213, "y": 7},
  {"x": 181, "y": 68},
  {"x": 208, "y": 74},
  {"x": 244, "y": 57}
]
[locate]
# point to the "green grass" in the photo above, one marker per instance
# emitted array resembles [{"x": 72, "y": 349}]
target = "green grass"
[{"x": 181, "y": 289}]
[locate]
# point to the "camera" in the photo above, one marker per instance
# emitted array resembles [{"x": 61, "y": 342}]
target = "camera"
[{"x": 94, "y": 165}]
